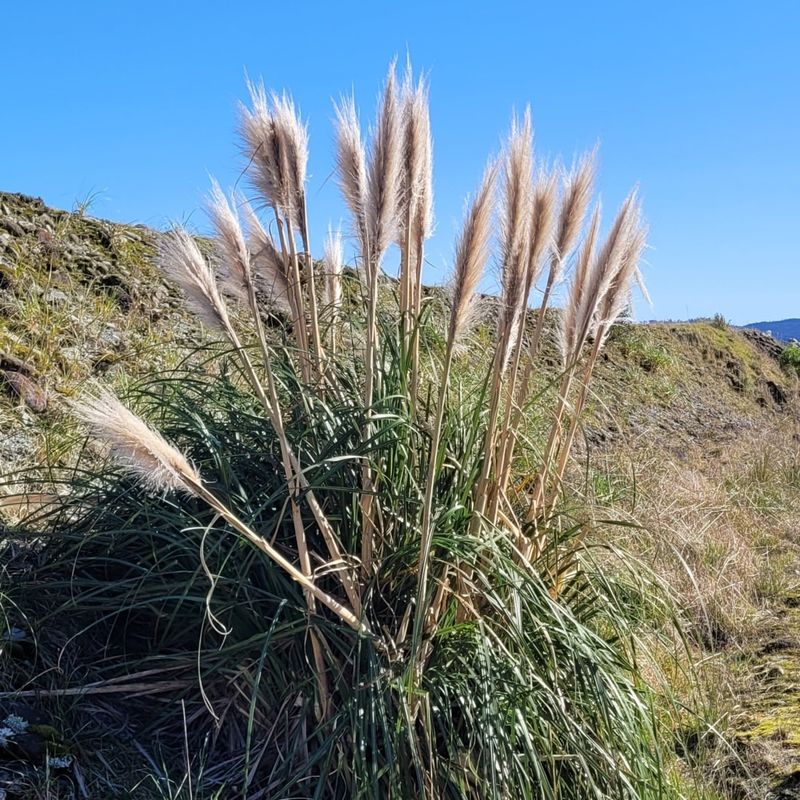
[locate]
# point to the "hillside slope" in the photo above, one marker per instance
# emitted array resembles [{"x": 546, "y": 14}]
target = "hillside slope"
[
  {"x": 691, "y": 432},
  {"x": 80, "y": 297}
]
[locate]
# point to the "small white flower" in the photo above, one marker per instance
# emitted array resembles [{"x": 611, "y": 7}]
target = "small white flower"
[
  {"x": 59, "y": 762},
  {"x": 5, "y": 735},
  {"x": 16, "y": 723}
]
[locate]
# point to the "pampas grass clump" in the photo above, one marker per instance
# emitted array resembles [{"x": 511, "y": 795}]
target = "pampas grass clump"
[{"x": 381, "y": 616}]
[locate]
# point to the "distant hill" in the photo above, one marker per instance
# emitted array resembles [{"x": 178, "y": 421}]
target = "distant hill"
[{"x": 784, "y": 329}]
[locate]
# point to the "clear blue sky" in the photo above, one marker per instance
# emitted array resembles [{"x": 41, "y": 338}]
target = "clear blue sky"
[{"x": 699, "y": 102}]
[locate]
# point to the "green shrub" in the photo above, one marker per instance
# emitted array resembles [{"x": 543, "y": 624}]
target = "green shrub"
[
  {"x": 790, "y": 358},
  {"x": 637, "y": 344},
  {"x": 719, "y": 321}
]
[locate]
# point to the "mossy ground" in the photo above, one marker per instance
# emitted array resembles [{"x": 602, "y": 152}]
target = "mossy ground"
[{"x": 767, "y": 675}]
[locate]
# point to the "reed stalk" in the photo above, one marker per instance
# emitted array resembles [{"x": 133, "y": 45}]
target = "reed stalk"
[
  {"x": 338, "y": 608},
  {"x": 598, "y": 296},
  {"x": 576, "y": 199},
  {"x": 540, "y": 242},
  {"x": 145, "y": 453},
  {"x": 517, "y": 215},
  {"x": 381, "y": 221},
  {"x": 295, "y": 293},
  {"x": 333, "y": 286},
  {"x": 316, "y": 336},
  {"x": 416, "y": 214},
  {"x": 472, "y": 252}
]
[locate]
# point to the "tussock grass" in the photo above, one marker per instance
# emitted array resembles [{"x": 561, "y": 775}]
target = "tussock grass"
[{"x": 318, "y": 543}]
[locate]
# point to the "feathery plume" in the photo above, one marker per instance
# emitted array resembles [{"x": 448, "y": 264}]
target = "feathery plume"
[
  {"x": 269, "y": 265},
  {"x": 472, "y": 251},
  {"x": 422, "y": 220},
  {"x": 351, "y": 165},
  {"x": 577, "y": 196},
  {"x": 518, "y": 169},
  {"x": 604, "y": 268},
  {"x": 383, "y": 172},
  {"x": 262, "y": 147},
  {"x": 542, "y": 222},
  {"x": 639, "y": 278},
  {"x": 276, "y": 145},
  {"x": 618, "y": 295},
  {"x": 416, "y": 176},
  {"x": 333, "y": 269},
  {"x": 234, "y": 256},
  {"x": 569, "y": 319},
  {"x": 133, "y": 443},
  {"x": 292, "y": 133},
  {"x": 516, "y": 225},
  {"x": 181, "y": 260}
]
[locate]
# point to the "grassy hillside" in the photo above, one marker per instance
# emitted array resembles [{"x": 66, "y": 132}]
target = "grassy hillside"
[
  {"x": 81, "y": 298},
  {"x": 689, "y": 456}
]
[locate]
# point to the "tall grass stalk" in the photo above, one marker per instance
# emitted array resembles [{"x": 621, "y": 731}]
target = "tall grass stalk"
[
  {"x": 472, "y": 252},
  {"x": 575, "y": 202},
  {"x": 592, "y": 307},
  {"x": 540, "y": 243},
  {"x": 517, "y": 200}
]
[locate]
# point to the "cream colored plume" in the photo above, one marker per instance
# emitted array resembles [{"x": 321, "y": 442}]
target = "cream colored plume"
[
  {"x": 472, "y": 251},
  {"x": 604, "y": 273},
  {"x": 234, "y": 256},
  {"x": 293, "y": 135},
  {"x": 181, "y": 260},
  {"x": 276, "y": 145},
  {"x": 569, "y": 332},
  {"x": 516, "y": 225},
  {"x": 617, "y": 297},
  {"x": 578, "y": 186},
  {"x": 351, "y": 165},
  {"x": 269, "y": 265},
  {"x": 417, "y": 160},
  {"x": 543, "y": 222},
  {"x": 383, "y": 172},
  {"x": 334, "y": 261},
  {"x": 133, "y": 443}
]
